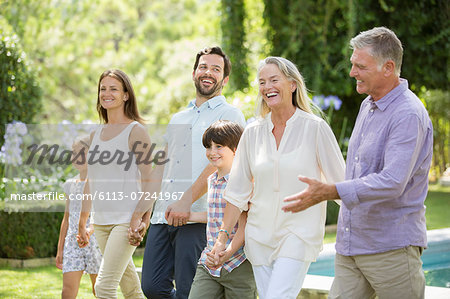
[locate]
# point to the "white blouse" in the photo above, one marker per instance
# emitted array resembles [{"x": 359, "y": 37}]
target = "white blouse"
[{"x": 263, "y": 176}]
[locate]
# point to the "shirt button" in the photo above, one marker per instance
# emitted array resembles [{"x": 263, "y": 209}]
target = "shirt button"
[
  {"x": 346, "y": 229},
  {"x": 356, "y": 158},
  {"x": 171, "y": 181}
]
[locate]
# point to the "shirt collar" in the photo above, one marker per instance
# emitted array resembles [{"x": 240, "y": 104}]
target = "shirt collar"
[
  {"x": 288, "y": 122},
  {"x": 212, "y": 103},
  {"x": 216, "y": 174},
  {"x": 390, "y": 97}
]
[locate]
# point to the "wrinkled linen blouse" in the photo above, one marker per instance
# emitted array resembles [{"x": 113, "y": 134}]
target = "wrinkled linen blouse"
[{"x": 263, "y": 176}]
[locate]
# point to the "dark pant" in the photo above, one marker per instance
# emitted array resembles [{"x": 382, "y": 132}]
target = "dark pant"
[{"x": 171, "y": 253}]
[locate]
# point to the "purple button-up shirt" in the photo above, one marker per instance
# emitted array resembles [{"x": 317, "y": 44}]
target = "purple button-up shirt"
[{"x": 386, "y": 184}]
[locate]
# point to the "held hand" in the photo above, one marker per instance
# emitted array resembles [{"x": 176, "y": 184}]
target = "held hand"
[
  {"x": 59, "y": 261},
  {"x": 177, "y": 214},
  {"x": 136, "y": 235},
  {"x": 315, "y": 192},
  {"x": 214, "y": 257},
  {"x": 83, "y": 237},
  {"x": 224, "y": 256}
]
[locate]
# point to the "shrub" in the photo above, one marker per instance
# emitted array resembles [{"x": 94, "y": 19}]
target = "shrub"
[
  {"x": 332, "y": 212},
  {"x": 20, "y": 95},
  {"x": 29, "y": 235}
]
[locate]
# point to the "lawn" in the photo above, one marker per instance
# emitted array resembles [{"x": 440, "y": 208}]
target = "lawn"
[
  {"x": 46, "y": 282},
  {"x": 42, "y": 282}
]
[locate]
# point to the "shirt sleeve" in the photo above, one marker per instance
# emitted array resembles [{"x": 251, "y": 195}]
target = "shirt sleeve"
[
  {"x": 329, "y": 155},
  {"x": 234, "y": 115},
  {"x": 240, "y": 184},
  {"x": 402, "y": 149}
]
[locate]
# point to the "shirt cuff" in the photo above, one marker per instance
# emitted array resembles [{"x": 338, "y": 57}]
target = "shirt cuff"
[{"x": 347, "y": 192}]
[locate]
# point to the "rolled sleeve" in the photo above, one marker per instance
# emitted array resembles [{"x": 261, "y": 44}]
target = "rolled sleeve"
[{"x": 347, "y": 193}]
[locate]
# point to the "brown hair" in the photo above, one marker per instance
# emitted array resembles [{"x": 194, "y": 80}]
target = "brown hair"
[
  {"x": 223, "y": 132},
  {"x": 130, "y": 108},
  {"x": 218, "y": 51}
]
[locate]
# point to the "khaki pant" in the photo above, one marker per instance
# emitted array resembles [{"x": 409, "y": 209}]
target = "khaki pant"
[
  {"x": 117, "y": 266},
  {"x": 395, "y": 274},
  {"x": 238, "y": 283}
]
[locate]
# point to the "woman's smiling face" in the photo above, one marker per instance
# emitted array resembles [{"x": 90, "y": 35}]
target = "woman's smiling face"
[
  {"x": 275, "y": 88},
  {"x": 111, "y": 93}
]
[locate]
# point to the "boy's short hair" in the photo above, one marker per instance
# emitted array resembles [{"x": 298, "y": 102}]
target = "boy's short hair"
[{"x": 223, "y": 132}]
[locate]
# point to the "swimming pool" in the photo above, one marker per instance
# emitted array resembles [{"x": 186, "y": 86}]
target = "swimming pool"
[{"x": 436, "y": 259}]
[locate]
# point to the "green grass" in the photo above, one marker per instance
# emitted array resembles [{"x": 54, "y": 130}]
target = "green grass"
[
  {"x": 46, "y": 282},
  {"x": 42, "y": 282},
  {"x": 437, "y": 213}
]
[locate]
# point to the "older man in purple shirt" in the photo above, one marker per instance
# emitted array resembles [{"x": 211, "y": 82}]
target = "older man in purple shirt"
[{"x": 381, "y": 227}]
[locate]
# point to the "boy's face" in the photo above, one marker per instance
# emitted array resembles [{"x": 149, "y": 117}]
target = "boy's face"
[{"x": 220, "y": 156}]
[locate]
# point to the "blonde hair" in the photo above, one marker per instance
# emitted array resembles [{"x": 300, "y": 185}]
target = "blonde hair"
[{"x": 300, "y": 97}]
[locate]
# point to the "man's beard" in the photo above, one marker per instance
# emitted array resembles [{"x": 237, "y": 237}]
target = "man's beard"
[{"x": 206, "y": 92}]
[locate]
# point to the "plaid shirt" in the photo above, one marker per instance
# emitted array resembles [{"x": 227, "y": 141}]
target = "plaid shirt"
[{"x": 216, "y": 207}]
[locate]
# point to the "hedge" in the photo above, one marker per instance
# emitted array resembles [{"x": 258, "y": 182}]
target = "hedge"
[{"x": 29, "y": 234}]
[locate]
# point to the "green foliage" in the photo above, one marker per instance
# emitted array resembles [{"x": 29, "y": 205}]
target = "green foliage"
[
  {"x": 233, "y": 40},
  {"x": 332, "y": 212},
  {"x": 20, "y": 95},
  {"x": 315, "y": 35},
  {"x": 29, "y": 235},
  {"x": 154, "y": 42},
  {"x": 424, "y": 29},
  {"x": 438, "y": 106}
]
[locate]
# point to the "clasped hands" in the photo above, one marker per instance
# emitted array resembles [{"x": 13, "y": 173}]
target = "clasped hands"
[
  {"x": 136, "y": 233},
  {"x": 84, "y": 235},
  {"x": 218, "y": 255}
]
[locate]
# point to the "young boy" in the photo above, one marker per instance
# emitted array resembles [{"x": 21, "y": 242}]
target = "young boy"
[{"x": 233, "y": 277}]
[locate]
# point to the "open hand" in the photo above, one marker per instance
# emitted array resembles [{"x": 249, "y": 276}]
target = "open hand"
[{"x": 315, "y": 192}]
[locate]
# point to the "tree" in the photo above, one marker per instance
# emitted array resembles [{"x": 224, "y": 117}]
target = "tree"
[
  {"x": 316, "y": 35},
  {"x": 20, "y": 94},
  {"x": 233, "y": 40}
]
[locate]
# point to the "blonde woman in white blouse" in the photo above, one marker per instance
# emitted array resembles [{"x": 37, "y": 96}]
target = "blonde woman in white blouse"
[{"x": 288, "y": 140}]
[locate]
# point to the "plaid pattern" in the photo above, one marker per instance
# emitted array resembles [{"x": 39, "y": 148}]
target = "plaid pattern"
[{"x": 216, "y": 207}]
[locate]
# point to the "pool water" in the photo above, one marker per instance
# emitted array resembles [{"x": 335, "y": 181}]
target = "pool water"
[{"x": 436, "y": 259}]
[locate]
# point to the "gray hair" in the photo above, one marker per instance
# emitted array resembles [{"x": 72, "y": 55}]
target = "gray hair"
[
  {"x": 300, "y": 97},
  {"x": 383, "y": 45}
]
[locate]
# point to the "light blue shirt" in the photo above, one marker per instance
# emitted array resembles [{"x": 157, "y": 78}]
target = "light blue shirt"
[
  {"x": 186, "y": 152},
  {"x": 386, "y": 176}
]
